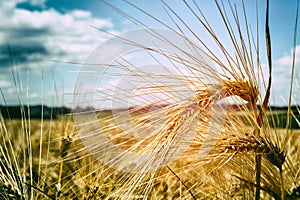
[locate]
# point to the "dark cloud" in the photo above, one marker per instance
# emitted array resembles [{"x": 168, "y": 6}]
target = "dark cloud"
[
  {"x": 29, "y": 6},
  {"x": 22, "y": 53},
  {"x": 26, "y": 44},
  {"x": 27, "y": 32}
]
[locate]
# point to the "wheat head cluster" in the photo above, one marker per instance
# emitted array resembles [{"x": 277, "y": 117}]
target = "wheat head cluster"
[{"x": 200, "y": 128}]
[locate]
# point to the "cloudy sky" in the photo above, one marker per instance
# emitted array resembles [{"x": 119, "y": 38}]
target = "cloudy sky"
[{"x": 42, "y": 40}]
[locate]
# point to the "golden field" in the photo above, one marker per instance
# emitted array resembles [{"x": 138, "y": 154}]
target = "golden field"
[{"x": 45, "y": 159}]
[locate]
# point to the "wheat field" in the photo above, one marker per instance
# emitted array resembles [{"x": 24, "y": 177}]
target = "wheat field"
[{"x": 188, "y": 131}]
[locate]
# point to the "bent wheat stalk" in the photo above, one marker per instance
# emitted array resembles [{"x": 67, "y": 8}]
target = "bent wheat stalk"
[{"x": 264, "y": 104}]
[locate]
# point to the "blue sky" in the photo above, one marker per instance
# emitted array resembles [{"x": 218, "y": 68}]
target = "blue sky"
[{"x": 44, "y": 35}]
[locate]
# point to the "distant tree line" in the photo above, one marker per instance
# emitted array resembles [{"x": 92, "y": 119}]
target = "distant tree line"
[
  {"x": 33, "y": 111},
  {"x": 278, "y": 118}
]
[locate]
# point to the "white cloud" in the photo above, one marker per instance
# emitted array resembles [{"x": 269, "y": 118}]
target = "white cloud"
[
  {"x": 80, "y": 14},
  {"x": 4, "y": 84},
  {"x": 37, "y": 2},
  {"x": 282, "y": 69},
  {"x": 48, "y": 33},
  {"x": 286, "y": 60},
  {"x": 36, "y": 37}
]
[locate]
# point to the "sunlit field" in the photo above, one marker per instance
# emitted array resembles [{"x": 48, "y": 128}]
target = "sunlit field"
[
  {"x": 58, "y": 166},
  {"x": 197, "y": 123}
]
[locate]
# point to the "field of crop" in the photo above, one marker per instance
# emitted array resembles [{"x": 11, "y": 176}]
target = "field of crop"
[{"x": 58, "y": 166}]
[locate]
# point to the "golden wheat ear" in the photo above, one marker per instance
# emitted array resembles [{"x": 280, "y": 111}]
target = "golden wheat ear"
[
  {"x": 247, "y": 159},
  {"x": 167, "y": 127}
]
